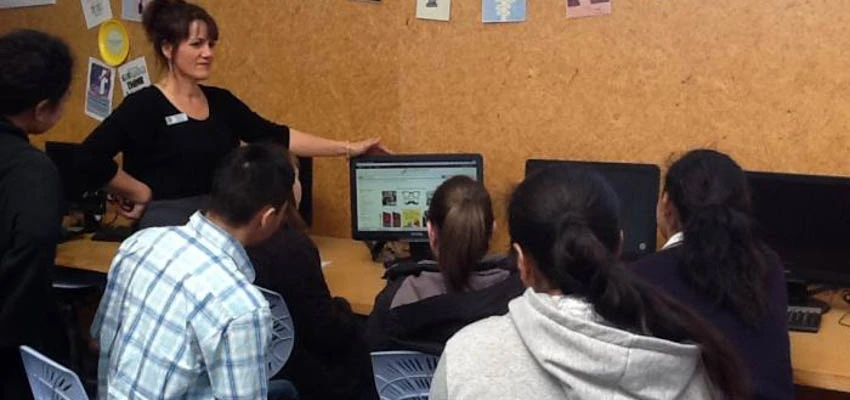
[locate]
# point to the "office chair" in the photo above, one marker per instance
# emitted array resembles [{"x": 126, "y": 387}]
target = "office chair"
[
  {"x": 283, "y": 339},
  {"x": 403, "y": 375},
  {"x": 49, "y": 380}
]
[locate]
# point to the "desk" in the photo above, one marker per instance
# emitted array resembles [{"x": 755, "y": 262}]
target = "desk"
[
  {"x": 351, "y": 274},
  {"x": 819, "y": 360},
  {"x": 822, "y": 360}
]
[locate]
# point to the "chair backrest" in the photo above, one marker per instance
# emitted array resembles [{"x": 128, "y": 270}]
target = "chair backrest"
[
  {"x": 403, "y": 375},
  {"x": 49, "y": 380},
  {"x": 283, "y": 332}
]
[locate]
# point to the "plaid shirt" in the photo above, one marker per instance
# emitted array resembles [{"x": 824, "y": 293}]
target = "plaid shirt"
[{"x": 180, "y": 318}]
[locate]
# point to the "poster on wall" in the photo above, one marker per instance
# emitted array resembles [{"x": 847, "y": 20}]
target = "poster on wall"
[
  {"x": 502, "y": 11},
  {"x": 131, "y": 10},
  {"x": 100, "y": 82},
  {"x": 437, "y": 10},
  {"x": 587, "y": 8},
  {"x": 24, "y": 3},
  {"x": 134, "y": 76},
  {"x": 96, "y": 11}
]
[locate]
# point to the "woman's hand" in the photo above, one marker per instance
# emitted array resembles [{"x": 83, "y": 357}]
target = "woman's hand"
[
  {"x": 372, "y": 146},
  {"x": 127, "y": 208}
]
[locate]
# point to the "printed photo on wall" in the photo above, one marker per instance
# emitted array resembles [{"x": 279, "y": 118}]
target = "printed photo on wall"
[
  {"x": 587, "y": 8},
  {"x": 131, "y": 10},
  {"x": 134, "y": 76},
  {"x": 96, "y": 11},
  {"x": 24, "y": 3},
  {"x": 100, "y": 82},
  {"x": 502, "y": 11},
  {"x": 437, "y": 10}
]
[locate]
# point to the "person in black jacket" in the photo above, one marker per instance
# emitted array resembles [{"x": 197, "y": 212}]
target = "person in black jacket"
[
  {"x": 329, "y": 359},
  {"x": 35, "y": 72},
  {"x": 424, "y": 304},
  {"x": 715, "y": 262}
]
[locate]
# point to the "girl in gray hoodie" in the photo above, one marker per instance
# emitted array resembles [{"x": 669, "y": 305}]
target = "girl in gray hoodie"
[{"x": 583, "y": 329}]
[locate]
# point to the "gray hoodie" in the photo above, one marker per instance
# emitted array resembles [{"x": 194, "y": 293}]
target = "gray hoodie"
[{"x": 550, "y": 347}]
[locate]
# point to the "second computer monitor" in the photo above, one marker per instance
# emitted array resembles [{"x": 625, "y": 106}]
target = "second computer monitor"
[
  {"x": 390, "y": 194},
  {"x": 636, "y": 186}
]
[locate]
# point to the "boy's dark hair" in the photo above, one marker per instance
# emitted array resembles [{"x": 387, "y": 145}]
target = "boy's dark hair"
[
  {"x": 250, "y": 178},
  {"x": 34, "y": 66},
  {"x": 168, "y": 21}
]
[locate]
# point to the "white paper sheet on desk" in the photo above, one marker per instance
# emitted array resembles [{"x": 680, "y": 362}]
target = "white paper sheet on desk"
[{"x": 326, "y": 263}]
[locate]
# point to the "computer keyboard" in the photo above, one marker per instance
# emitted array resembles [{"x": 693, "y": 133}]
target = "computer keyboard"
[{"x": 804, "y": 319}]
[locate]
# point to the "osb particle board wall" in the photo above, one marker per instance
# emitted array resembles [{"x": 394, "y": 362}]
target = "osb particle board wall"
[{"x": 765, "y": 81}]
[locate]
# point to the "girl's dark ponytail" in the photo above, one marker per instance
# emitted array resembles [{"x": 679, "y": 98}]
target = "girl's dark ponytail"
[{"x": 566, "y": 221}]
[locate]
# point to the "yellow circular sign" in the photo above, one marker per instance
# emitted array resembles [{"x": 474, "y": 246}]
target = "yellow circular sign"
[{"x": 114, "y": 42}]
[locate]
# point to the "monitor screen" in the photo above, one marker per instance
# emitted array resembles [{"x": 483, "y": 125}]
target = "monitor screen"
[
  {"x": 806, "y": 220},
  {"x": 390, "y": 194},
  {"x": 637, "y": 187}
]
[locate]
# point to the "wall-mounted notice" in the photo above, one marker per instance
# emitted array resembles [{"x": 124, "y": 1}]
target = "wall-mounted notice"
[
  {"x": 587, "y": 8},
  {"x": 502, "y": 11}
]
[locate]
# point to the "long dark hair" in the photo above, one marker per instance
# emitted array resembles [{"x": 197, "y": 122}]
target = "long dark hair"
[
  {"x": 566, "y": 221},
  {"x": 168, "y": 22},
  {"x": 722, "y": 256},
  {"x": 462, "y": 214}
]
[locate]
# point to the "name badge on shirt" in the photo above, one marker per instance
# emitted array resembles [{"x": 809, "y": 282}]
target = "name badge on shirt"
[{"x": 176, "y": 119}]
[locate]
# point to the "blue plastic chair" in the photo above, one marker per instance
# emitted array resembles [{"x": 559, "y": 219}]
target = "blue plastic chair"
[
  {"x": 283, "y": 333},
  {"x": 49, "y": 380},
  {"x": 403, "y": 375}
]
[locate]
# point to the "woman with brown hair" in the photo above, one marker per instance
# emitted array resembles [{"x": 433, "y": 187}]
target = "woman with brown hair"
[
  {"x": 426, "y": 303},
  {"x": 174, "y": 133}
]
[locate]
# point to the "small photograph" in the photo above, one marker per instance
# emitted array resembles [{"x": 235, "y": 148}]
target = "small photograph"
[
  {"x": 99, "y": 84},
  {"x": 436, "y": 10},
  {"x": 411, "y": 218},
  {"x": 502, "y": 11},
  {"x": 387, "y": 220},
  {"x": 388, "y": 198},
  {"x": 428, "y": 196},
  {"x": 410, "y": 198},
  {"x": 396, "y": 220},
  {"x": 587, "y": 8}
]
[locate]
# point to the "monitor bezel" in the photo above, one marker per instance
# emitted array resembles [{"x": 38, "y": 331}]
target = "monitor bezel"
[{"x": 420, "y": 235}]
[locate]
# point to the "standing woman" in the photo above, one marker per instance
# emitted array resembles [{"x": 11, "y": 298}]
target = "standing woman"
[
  {"x": 173, "y": 134},
  {"x": 715, "y": 263}
]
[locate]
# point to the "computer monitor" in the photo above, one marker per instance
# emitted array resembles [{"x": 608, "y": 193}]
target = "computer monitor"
[
  {"x": 637, "y": 187},
  {"x": 390, "y": 194},
  {"x": 76, "y": 198},
  {"x": 305, "y": 176},
  {"x": 806, "y": 220}
]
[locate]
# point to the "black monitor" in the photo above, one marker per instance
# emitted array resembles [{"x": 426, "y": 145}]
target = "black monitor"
[
  {"x": 305, "y": 176},
  {"x": 637, "y": 187},
  {"x": 76, "y": 197},
  {"x": 806, "y": 220},
  {"x": 390, "y": 194}
]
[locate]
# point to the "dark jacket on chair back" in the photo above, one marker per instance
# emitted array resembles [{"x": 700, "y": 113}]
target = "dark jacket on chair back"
[{"x": 416, "y": 312}]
